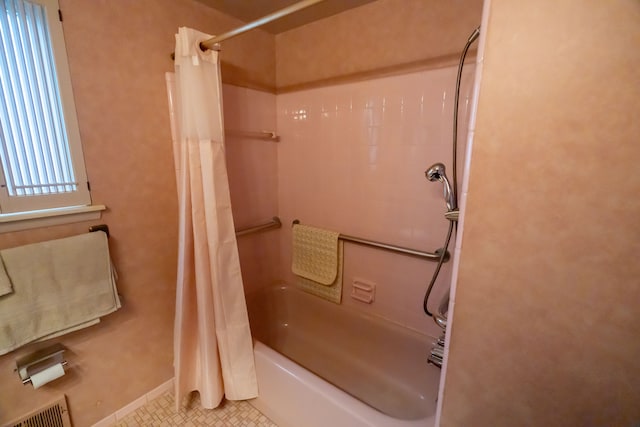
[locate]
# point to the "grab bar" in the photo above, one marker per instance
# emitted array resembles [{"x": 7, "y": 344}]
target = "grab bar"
[
  {"x": 263, "y": 134},
  {"x": 274, "y": 223},
  {"x": 432, "y": 256}
]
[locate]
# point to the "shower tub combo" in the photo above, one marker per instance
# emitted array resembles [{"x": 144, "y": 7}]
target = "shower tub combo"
[{"x": 321, "y": 364}]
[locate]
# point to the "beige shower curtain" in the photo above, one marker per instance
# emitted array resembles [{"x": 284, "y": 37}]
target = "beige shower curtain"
[{"x": 213, "y": 352}]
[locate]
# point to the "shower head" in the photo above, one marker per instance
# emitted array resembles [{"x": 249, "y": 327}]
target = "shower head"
[{"x": 437, "y": 173}]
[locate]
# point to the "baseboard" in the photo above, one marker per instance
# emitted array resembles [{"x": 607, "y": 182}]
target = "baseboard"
[{"x": 131, "y": 407}]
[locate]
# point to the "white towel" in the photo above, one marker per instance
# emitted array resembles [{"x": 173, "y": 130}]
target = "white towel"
[
  {"x": 58, "y": 286},
  {"x": 5, "y": 282}
]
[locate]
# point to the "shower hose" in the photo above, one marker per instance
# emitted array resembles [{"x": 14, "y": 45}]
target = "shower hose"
[{"x": 452, "y": 222}]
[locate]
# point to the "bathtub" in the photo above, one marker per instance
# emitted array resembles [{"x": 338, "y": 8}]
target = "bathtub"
[{"x": 321, "y": 364}]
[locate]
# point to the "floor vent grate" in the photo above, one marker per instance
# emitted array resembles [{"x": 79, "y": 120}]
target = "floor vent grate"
[{"x": 55, "y": 414}]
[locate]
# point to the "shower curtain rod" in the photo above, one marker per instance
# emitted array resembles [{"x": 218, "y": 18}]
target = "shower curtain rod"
[{"x": 213, "y": 42}]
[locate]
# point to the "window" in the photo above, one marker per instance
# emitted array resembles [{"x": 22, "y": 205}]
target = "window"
[{"x": 41, "y": 161}]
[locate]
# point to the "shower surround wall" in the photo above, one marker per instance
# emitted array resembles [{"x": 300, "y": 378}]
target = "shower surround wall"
[
  {"x": 365, "y": 106},
  {"x": 252, "y": 168},
  {"x": 352, "y": 159}
]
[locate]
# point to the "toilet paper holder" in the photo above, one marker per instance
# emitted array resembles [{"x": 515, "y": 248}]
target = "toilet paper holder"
[{"x": 40, "y": 360}]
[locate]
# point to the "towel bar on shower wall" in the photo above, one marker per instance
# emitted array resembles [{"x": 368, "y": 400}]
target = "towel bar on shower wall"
[
  {"x": 267, "y": 135},
  {"x": 432, "y": 256}
]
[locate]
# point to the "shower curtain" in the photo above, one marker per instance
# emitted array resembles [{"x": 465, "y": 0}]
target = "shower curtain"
[{"x": 213, "y": 350}]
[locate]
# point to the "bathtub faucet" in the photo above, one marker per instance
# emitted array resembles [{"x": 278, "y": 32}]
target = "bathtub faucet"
[{"x": 437, "y": 353}]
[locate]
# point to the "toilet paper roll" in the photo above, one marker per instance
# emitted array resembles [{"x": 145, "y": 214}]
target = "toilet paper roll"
[{"x": 47, "y": 375}]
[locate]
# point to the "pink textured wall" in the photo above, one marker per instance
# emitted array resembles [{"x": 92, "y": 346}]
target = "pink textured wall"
[
  {"x": 385, "y": 36},
  {"x": 546, "y": 323},
  {"x": 352, "y": 159},
  {"x": 118, "y": 54}
]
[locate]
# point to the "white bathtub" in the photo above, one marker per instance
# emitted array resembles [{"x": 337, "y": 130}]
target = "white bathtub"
[{"x": 374, "y": 373}]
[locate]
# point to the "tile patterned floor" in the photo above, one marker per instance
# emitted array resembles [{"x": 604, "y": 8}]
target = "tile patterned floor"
[{"x": 161, "y": 412}]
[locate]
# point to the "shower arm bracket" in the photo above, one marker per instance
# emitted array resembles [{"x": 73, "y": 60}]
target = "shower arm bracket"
[
  {"x": 447, "y": 256},
  {"x": 452, "y": 215}
]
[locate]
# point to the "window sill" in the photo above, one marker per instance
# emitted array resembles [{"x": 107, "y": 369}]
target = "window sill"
[{"x": 48, "y": 217}]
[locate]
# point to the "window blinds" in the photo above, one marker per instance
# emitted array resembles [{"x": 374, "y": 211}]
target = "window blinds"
[{"x": 34, "y": 149}]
